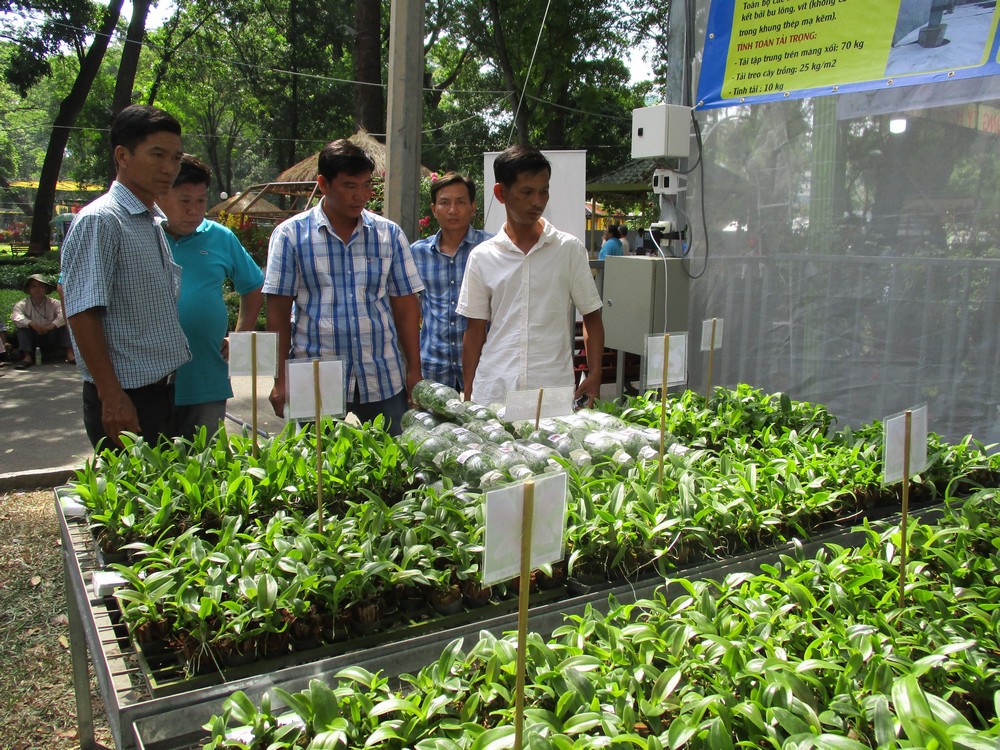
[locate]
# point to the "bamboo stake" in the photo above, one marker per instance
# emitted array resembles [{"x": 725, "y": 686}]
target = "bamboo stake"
[
  {"x": 524, "y": 590},
  {"x": 711, "y": 360},
  {"x": 906, "y": 506},
  {"x": 253, "y": 390},
  {"x": 319, "y": 449},
  {"x": 663, "y": 405},
  {"x": 538, "y": 409}
]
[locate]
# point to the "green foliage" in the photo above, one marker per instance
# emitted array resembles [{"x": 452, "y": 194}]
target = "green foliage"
[
  {"x": 14, "y": 270},
  {"x": 388, "y": 521},
  {"x": 232, "y": 300},
  {"x": 810, "y": 653}
]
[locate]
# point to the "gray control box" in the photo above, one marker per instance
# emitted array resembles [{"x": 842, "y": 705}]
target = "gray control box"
[{"x": 642, "y": 296}]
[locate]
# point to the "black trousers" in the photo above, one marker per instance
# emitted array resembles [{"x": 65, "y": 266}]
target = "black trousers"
[{"x": 153, "y": 403}]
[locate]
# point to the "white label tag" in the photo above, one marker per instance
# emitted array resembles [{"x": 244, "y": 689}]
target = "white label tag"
[
  {"x": 302, "y": 388},
  {"x": 241, "y": 347},
  {"x": 677, "y": 365},
  {"x": 894, "y": 434},
  {"x": 556, "y": 402},
  {"x": 708, "y": 341},
  {"x": 501, "y": 558}
]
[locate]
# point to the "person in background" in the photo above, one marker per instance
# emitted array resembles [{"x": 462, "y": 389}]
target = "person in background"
[
  {"x": 518, "y": 290},
  {"x": 351, "y": 278},
  {"x": 441, "y": 261},
  {"x": 208, "y": 253},
  {"x": 612, "y": 244},
  {"x": 120, "y": 285},
  {"x": 40, "y": 324},
  {"x": 623, "y": 236}
]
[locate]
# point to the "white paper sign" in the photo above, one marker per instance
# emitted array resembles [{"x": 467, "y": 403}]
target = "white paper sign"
[
  {"x": 676, "y": 367},
  {"x": 301, "y": 388},
  {"x": 895, "y": 441},
  {"x": 501, "y": 558},
  {"x": 556, "y": 402},
  {"x": 707, "y": 341},
  {"x": 241, "y": 353}
]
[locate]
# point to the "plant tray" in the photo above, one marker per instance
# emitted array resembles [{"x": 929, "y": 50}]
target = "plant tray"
[{"x": 164, "y": 673}]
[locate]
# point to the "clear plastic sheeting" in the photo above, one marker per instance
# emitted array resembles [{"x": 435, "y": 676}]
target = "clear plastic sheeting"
[{"x": 854, "y": 252}]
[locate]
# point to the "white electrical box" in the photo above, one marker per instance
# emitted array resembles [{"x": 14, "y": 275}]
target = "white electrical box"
[
  {"x": 663, "y": 130},
  {"x": 642, "y": 296}
]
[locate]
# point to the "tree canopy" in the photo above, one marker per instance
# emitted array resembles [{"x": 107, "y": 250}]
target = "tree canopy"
[{"x": 260, "y": 84}]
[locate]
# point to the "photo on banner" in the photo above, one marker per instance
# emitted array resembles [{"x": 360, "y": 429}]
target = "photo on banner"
[{"x": 771, "y": 50}]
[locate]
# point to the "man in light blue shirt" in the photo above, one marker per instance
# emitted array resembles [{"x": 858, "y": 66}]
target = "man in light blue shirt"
[
  {"x": 340, "y": 281},
  {"x": 612, "y": 244},
  {"x": 441, "y": 261},
  {"x": 208, "y": 253},
  {"x": 120, "y": 285}
]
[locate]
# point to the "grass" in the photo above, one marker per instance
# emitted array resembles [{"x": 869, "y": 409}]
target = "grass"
[
  {"x": 37, "y": 702},
  {"x": 8, "y": 298}
]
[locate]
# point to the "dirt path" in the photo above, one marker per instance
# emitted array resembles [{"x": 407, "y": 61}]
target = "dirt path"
[{"x": 37, "y": 703}]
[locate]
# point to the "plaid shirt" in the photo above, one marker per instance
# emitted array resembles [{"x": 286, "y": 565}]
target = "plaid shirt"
[
  {"x": 342, "y": 292},
  {"x": 115, "y": 259},
  {"x": 442, "y": 330}
]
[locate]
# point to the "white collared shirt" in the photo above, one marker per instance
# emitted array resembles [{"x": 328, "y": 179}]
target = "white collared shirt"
[{"x": 526, "y": 300}]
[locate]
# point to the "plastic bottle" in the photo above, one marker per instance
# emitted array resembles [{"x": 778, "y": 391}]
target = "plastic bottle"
[{"x": 38, "y": 355}]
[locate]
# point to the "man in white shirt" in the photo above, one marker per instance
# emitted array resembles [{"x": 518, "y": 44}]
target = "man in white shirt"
[{"x": 518, "y": 290}]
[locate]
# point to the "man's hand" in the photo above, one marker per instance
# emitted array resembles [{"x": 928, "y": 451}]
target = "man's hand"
[
  {"x": 224, "y": 348},
  {"x": 277, "y": 398},
  {"x": 413, "y": 376},
  {"x": 118, "y": 415},
  {"x": 590, "y": 387}
]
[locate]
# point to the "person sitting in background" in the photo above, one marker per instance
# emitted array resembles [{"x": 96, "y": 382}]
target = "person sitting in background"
[
  {"x": 208, "y": 253},
  {"x": 40, "y": 323},
  {"x": 623, "y": 236},
  {"x": 612, "y": 244}
]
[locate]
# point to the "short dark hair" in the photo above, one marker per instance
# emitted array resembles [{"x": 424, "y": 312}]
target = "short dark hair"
[
  {"x": 517, "y": 159},
  {"x": 452, "y": 178},
  {"x": 613, "y": 231},
  {"x": 622, "y": 230},
  {"x": 193, "y": 172},
  {"x": 344, "y": 156},
  {"x": 137, "y": 122}
]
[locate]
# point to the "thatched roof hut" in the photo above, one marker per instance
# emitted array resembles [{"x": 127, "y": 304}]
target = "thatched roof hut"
[
  {"x": 307, "y": 169},
  {"x": 295, "y": 189},
  {"x": 249, "y": 203}
]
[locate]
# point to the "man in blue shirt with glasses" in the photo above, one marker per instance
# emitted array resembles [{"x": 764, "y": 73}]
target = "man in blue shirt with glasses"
[{"x": 441, "y": 263}]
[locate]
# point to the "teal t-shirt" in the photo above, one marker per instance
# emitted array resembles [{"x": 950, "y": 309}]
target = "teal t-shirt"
[{"x": 207, "y": 257}]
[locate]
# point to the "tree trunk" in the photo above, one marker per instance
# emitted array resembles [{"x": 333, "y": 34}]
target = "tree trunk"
[
  {"x": 503, "y": 60},
  {"x": 369, "y": 107},
  {"x": 69, "y": 109},
  {"x": 127, "y": 66}
]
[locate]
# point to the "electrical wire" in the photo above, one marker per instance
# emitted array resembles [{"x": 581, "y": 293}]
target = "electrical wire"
[
  {"x": 701, "y": 200},
  {"x": 527, "y": 73}
]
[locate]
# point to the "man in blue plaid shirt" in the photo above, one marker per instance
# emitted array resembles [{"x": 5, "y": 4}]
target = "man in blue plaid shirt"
[
  {"x": 341, "y": 281},
  {"x": 441, "y": 263}
]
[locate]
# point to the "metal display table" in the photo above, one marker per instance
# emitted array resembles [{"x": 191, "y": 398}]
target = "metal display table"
[{"x": 139, "y": 720}]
